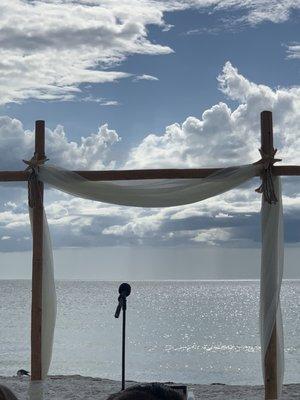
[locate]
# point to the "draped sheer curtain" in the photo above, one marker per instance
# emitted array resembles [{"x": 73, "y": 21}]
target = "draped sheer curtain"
[
  {"x": 168, "y": 193},
  {"x": 49, "y": 308},
  {"x": 271, "y": 277}
]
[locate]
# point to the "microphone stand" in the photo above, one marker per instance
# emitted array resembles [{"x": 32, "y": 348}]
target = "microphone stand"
[
  {"x": 122, "y": 306},
  {"x": 123, "y": 342}
]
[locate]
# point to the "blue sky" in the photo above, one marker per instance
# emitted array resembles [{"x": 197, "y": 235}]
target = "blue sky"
[
  {"x": 187, "y": 78},
  {"x": 143, "y": 84}
]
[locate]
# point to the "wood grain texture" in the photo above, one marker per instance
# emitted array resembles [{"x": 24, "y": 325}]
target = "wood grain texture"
[
  {"x": 22, "y": 176},
  {"x": 283, "y": 170},
  {"x": 271, "y": 352},
  {"x": 11, "y": 176},
  {"x": 37, "y": 263},
  {"x": 271, "y": 368}
]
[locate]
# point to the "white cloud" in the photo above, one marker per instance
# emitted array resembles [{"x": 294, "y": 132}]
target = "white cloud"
[
  {"x": 145, "y": 77},
  {"x": 293, "y": 50},
  {"x": 43, "y": 58},
  {"x": 12, "y": 220},
  {"x": 221, "y": 136},
  {"x": 223, "y": 215},
  {"x": 110, "y": 103},
  {"x": 139, "y": 226},
  {"x": 100, "y": 100},
  {"x": 92, "y": 152},
  {"x": 212, "y": 236},
  {"x": 10, "y": 204},
  {"x": 254, "y": 12}
]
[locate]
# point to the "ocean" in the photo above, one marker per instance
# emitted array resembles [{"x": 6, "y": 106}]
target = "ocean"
[{"x": 181, "y": 331}]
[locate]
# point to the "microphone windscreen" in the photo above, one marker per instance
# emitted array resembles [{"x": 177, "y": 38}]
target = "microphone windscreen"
[{"x": 125, "y": 288}]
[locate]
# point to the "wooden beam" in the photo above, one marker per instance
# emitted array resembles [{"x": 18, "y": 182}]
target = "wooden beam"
[
  {"x": 22, "y": 176},
  {"x": 12, "y": 176},
  {"x": 37, "y": 261},
  {"x": 271, "y": 368},
  {"x": 283, "y": 170},
  {"x": 271, "y": 352},
  {"x": 287, "y": 170},
  {"x": 266, "y": 125}
]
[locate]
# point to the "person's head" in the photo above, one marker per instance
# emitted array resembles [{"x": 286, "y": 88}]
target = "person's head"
[
  {"x": 6, "y": 394},
  {"x": 151, "y": 391}
]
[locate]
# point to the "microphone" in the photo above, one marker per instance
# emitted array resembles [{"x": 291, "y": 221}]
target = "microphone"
[{"x": 124, "y": 291}]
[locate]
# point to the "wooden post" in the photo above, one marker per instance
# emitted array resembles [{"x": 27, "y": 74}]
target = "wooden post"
[
  {"x": 271, "y": 353},
  {"x": 37, "y": 260}
]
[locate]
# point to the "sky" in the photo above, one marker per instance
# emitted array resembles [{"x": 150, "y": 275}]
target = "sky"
[{"x": 148, "y": 84}]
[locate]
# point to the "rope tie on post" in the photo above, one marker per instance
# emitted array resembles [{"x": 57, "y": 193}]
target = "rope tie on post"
[
  {"x": 267, "y": 185},
  {"x": 34, "y": 194}
]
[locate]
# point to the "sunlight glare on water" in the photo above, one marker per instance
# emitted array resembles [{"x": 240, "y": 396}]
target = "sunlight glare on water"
[{"x": 182, "y": 331}]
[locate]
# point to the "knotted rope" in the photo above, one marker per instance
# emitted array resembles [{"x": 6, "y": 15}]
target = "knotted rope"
[
  {"x": 34, "y": 192},
  {"x": 267, "y": 185}
]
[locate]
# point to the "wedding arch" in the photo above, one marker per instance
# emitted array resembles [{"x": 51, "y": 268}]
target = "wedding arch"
[{"x": 158, "y": 188}]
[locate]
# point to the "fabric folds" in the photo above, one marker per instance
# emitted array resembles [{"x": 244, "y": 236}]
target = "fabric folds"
[
  {"x": 271, "y": 278},
  {"x": 148, "y": 193},
  {"x": 49, "y": 306}
]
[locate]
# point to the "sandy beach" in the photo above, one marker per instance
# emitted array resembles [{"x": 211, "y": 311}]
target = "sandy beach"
[{"x": 79, "y": 387}]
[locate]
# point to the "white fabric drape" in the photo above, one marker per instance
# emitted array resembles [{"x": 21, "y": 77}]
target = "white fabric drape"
[
  {"x": 36, "y": 390},
  {"x": 148, "y": 193},
  {"x": 271, "y": 278},
  {"x": 175, "y": 192},
  {"x": 48, "y": 308}
]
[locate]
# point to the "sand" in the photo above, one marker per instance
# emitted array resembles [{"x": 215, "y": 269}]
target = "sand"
[{"x": 78, "y": 387}]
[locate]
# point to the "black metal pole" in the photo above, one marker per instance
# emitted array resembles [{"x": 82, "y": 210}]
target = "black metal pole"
[
  {"x": 124, "y": 291},
  {"x": 123, "y": 344}
]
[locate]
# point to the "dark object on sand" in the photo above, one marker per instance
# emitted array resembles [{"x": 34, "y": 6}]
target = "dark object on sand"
[
  {"x": 150, "y": 391},
  {"x": 6, "y": 394},
  {"x": 22, "y": 372},
  {"x": 182, "y": 389}
]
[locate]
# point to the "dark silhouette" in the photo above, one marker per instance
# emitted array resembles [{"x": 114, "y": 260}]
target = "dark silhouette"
[
  {"x": 22, "y": 372},
  {"x": 151, "y": 391},
  {"x": 124, "y": 291},
  {"x": 6, "y": 394}
]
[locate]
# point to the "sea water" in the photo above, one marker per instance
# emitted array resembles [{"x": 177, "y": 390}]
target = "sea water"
[{"x": 181, "y": 331}]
